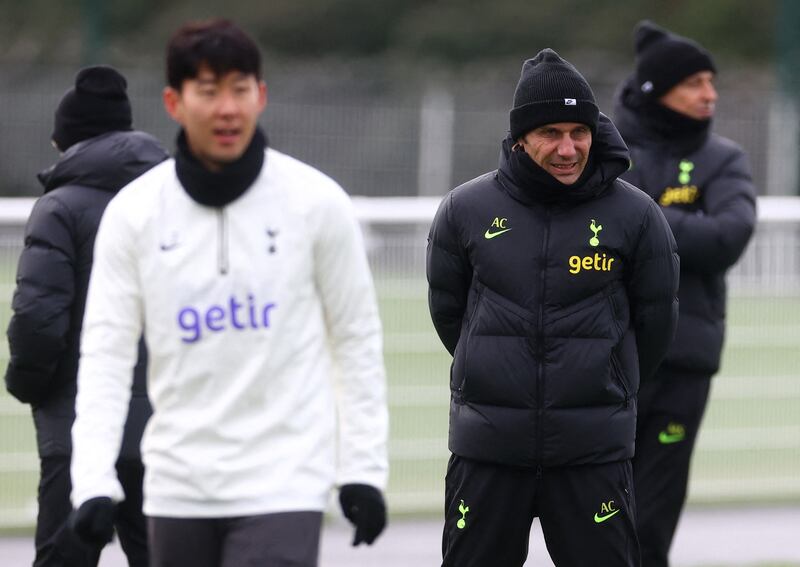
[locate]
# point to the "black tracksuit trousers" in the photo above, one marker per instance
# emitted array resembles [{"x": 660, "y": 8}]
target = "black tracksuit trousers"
[
  {"x": 671, "y": 407},
  {"x": 587, "y": 514},
  {"x": 57, "y": 546}
]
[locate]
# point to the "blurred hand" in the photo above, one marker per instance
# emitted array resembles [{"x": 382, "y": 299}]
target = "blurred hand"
[
  {"x": 93, "y": 521},
  {"x": 364, "y": 506}
]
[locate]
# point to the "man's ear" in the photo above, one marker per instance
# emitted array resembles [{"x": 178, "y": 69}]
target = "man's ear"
[
  {"x": 262, "y": 94},
  {"x": 172, "y": 104}
]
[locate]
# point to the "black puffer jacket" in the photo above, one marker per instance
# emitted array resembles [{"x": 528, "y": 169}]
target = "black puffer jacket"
[
  {"x": 52, "y": 281},
  {"x": 706, "y": 192},
  {"x": 551, "y": 301}
]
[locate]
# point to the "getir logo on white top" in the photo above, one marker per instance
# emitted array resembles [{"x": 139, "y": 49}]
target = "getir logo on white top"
[{"x": 230, "y": 315}]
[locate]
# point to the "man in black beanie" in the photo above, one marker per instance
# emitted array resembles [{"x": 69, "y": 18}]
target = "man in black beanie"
[
  {"x": 98, "y": 103},
  {"x": 703, "y": 184},
  {"x": 99, "y": 155},
  {"x": 552, "y": 284}
]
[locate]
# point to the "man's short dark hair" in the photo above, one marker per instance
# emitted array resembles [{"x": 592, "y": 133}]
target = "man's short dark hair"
[{"x": 217, "y": 44}]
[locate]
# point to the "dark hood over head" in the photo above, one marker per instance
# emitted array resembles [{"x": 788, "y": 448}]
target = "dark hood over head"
[
  {"x": 109, "y": 161},
  {"x": 628, "y": 109},
  {"x": 526, "y": 181},
  {"x": 610, "y": 149}
]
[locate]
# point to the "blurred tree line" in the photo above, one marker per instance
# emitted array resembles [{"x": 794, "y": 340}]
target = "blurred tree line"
[
  {"x": 370, "y": 72},
  {"x": 451, "y": 32}
]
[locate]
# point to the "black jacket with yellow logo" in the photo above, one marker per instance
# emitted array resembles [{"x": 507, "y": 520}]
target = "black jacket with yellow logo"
[
  {"x": 703, "y": 183},
  {"x": 553, "y": 300}
]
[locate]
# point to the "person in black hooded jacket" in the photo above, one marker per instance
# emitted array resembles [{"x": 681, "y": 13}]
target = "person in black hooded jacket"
[
  {"x": 703, "y": 184},
  {"x": 101, "y": 154},
  {"x": 552, "y": 283}
]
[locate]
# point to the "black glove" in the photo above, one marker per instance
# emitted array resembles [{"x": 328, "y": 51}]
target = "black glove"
[
  {"x": 29, "y": 385},
  {"x": 363, "y": 505},
  {"x": 93, "y": 521}
]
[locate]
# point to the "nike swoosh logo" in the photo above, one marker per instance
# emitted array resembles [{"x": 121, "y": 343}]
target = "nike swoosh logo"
[
  {"x": 168, "y": 247},
  {"x": 601, "y": 519},
  {"x": 490, "y": 234},
  {"x": 666, "y": 439}
]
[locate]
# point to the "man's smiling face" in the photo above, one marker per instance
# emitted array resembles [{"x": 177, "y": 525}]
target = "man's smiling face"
[
  {"x": 218, "y": 113},
  {"x": 561, "y": 149}
]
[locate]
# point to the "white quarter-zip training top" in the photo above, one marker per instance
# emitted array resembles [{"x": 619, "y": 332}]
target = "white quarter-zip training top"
[{"x": 265, "y": 352}]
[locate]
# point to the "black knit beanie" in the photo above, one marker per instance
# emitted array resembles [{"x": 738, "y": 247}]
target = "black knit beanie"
[
  {"x": 664, "y": 59},
  {"x": 551, "y": 90},
  {"x": 96, "y": 104}
]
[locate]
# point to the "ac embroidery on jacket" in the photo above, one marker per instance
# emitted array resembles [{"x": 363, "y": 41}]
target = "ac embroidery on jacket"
[{"x": 499, "y": 226}]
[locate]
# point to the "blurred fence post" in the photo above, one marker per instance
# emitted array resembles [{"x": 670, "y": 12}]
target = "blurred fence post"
[
  {"x": 783, "y": 139},
  {"x": 787, "y": 66},
  {"x": 435, "y": 163}
]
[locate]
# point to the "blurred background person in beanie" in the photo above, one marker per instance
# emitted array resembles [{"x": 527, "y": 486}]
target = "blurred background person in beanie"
[
  {"x": 703, "y": 185},
  {"x": 264, "y": 341},
  {"x": 552, "y": 284},
  {"x": 100, "y": 154}
]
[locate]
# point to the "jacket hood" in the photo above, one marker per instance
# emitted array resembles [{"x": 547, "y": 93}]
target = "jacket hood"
[
  {"x": 526, "y": 181},
  {"x": 627, "y": 105},
  {"x": 610, "y": 150},
  {"x": 108, "y": 162}
]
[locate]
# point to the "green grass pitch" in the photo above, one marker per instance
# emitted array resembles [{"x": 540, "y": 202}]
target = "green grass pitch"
[{"x": 749, "y": 447}]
